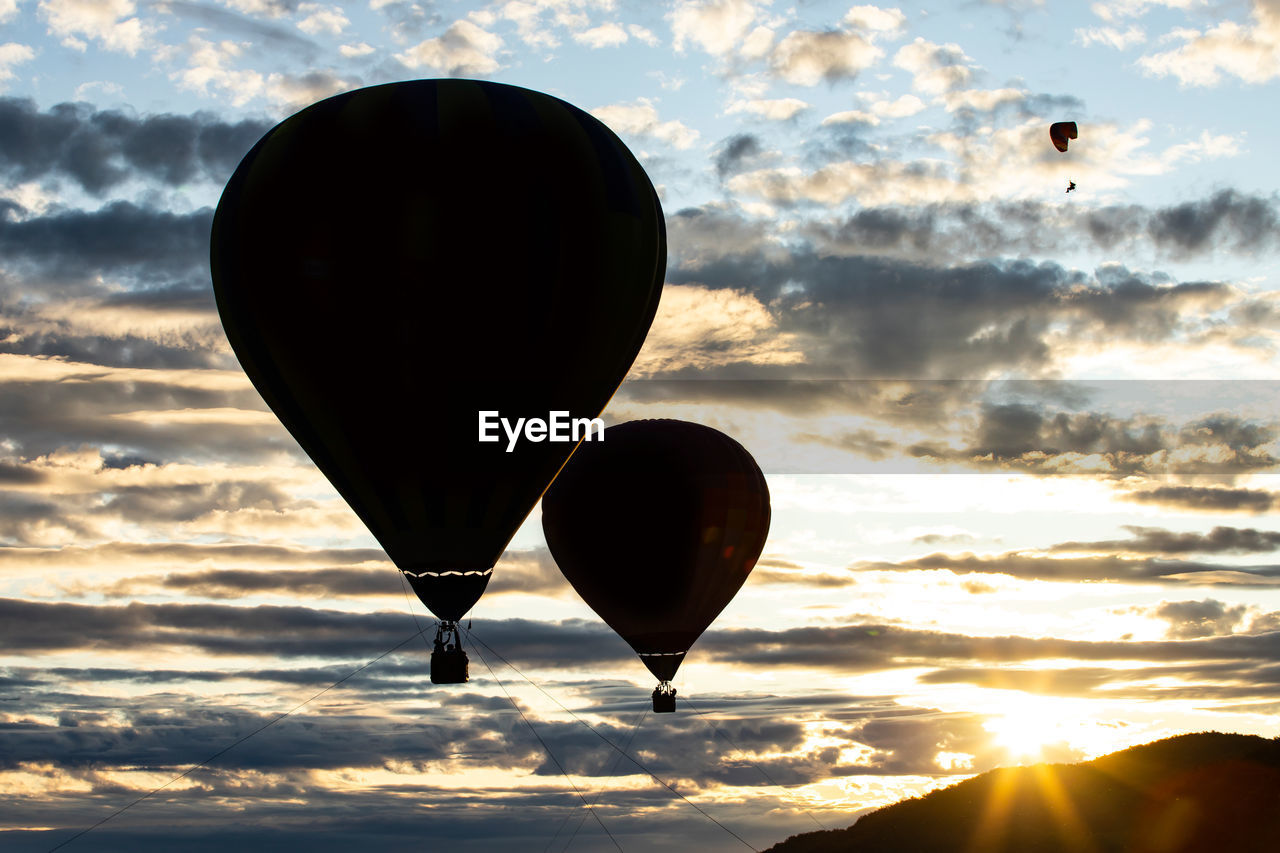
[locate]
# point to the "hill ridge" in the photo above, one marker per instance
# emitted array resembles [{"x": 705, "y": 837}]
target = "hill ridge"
[{"x": 1206, "y": 792}]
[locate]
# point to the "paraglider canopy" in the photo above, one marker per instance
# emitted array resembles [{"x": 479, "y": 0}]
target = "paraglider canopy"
[{"x": 1060, "y": 132}]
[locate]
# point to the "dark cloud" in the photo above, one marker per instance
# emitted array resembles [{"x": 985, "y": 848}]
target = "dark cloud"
[
  {"x": 1205, "y": 498},
  {"x": 1154, "y": 540},
  {"x": 262, "y": 34},
  {"x": 281, "y": 632},
  {"x": 411, "y": 17},
  {"x": 941, "y": 539},
  {"x": 190, "y": 501},
  {"x": 881, "y": 317},
  {"x": 736, "y": 151},
  {"x": 99, "y": 149},
  {"x": 187, "y": 553},
  {"x": 862, "y": 648},
  {"x": 530, "y": 572},
  {"x": 1110, "y": 568},
  {"x": 99, "y": 409},
  {"x": 151, "y": 245},
  {"x": 19, "y": 475},
  {"x": 298, "y": 632},
  {"x": 1204, "y": 681},
  {"x": 1039, "y": 441},
  {"x": 1207, "y": 618},
  {"x": 1227, "y": 221}
]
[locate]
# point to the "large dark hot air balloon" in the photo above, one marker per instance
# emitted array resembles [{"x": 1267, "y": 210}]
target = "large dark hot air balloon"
[
  {"x": 657, "y": 528},
  {"x": 393, "y": 261}
]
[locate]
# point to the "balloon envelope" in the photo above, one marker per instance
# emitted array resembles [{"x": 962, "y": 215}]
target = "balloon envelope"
[
  {"x": 657, "y": 527},
  {"x": 392, "y": 261},
  {"x": 1060, "y": 132}
]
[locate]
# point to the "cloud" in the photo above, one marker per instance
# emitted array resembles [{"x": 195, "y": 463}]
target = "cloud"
[
  {"x": 640, "y": 118},
  {"x": 778, "y": 109},
  {"x": 697, "y": 327},
  {"x": 153, "y": 414},
  {"x": 935, "y": 68},
  {"x": 109, "y": 22},
  {"x": 1191, "y": 619},
  {"x": 11, "y": 54},
  {"x": 866, "y": 316},
  {"x": 1110, "y": 36},
  {"x": 119, "y": 237},
  {"x": 1205, "y": 498},
  {"x": 1154, "y": 540},
  {"x": 716, "y": 26},
  {"x": 262, "y": 34},
  {"x": 209, "y": 71},
  {"x": 1018, "y": 436},
  {"x": 322, "y": 19},
  {"x": 875, "y": 19},
  {"x": 807, "y": 58},
  {"x": 464, "y": 49},
  {"x": 1228, "y": 221},
  {"x": 987, "y": 162},
  {"x": 605, "y": 35},
  {"x": 530, "y": 572},
  {"x": 1117, "y": 10},
  {"x": 735, "y": 152},
  {"x": 99, "y": 149},
  {"x": 1249, "y": 52},
  {"x": 1109, "y": 568}
]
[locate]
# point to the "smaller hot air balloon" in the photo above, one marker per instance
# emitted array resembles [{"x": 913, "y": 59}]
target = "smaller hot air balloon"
[
  {"x": 1060, "y": 132},
  {"x": 657, "y": 527}
]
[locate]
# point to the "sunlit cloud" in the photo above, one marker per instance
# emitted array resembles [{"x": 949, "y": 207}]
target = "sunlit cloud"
[
  {"x": 641, "y": 118},
  {"x": 110, "y": 22},
  {"x": 462, "y": 49}
]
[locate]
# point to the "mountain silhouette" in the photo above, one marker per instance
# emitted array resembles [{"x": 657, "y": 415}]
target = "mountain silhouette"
[{"x": 1195, "y": 793}]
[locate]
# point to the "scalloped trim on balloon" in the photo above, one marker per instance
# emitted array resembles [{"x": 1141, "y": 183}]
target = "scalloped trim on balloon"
[{"x": 450, "y": 572}]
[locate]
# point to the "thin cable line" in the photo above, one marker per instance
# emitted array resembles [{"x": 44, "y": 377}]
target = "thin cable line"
[
  {"x": 227, "y": 749},
  {"x": 743, "y": 753},
  {"x": 546, "y": 748},
  {"x": 630, "y": 758},
  {"x": 404, "y": 587},
  {"x": 617, "y": 759}
]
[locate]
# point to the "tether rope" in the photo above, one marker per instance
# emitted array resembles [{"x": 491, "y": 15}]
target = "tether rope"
[
  {"x": 227, "y": 749},
  {"x": 612, "y": 745},
  {"x": 617, "y": 759},
  {"x": 546, "y": 748},
  {"x": 743, "y": 753}
]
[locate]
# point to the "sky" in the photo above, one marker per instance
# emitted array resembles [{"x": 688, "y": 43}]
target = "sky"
[{"x": 1021, "y": 443}]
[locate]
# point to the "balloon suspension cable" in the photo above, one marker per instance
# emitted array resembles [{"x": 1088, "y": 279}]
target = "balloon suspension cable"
[
  {"x": 475, "y": 639},
  {"x": 617, "y": 759},
  {"x": 193, "y": 768},
  {"x": 546, "y": 748},
  {"x": 743, "y": 754}
]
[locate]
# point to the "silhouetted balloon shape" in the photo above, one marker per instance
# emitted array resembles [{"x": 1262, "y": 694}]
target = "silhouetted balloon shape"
[
  {"x": 392, "y": 261},
  {"x": 1060, "y": 132},
  {"x": 657, "y": 527}
]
